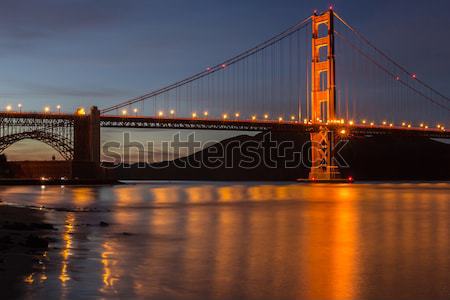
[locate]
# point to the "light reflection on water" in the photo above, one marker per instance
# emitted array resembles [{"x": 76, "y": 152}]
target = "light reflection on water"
[
  {"x": 246, "y": 241},
  {"x": 66, "y": 252}
]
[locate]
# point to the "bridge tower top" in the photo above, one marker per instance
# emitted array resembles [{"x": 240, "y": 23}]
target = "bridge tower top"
[{"x": 323, "y": 76}]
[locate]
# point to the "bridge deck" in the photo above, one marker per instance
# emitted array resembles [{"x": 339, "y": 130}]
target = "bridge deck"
[
  {"x": 249, "y": 125},
  {"x": 109, "y": 121}
]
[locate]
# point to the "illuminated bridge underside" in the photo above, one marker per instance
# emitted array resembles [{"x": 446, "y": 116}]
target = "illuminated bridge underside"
[
  {"x": 51, "y": 129},
  {"x": 235, "y": 125},
  {"x": 59, "y": 143}
]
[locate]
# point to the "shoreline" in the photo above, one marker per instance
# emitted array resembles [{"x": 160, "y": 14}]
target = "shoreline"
[
  {"x": 23, "y": 247},
  {"x": 58, "y": 182},
  {"x": 15, "y": 181}
]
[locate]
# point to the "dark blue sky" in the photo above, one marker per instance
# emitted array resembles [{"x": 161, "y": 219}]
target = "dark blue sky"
[{"x": 82, "y": 52}]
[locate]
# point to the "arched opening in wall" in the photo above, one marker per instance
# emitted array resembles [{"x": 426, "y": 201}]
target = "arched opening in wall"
[
  {"x": 323, "y": 53},
  {"x": 322, "y": 30},
  {"x": 31, "y": 150},
  {"x": 323, "y": 80}
]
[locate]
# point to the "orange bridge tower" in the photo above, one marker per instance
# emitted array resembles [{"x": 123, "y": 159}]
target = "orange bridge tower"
[{"x": 323, "y": 96}]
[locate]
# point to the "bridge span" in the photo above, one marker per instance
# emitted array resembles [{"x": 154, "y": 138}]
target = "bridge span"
[
  {"x": 77, "y": 136},
  {"x": 301, "y": 80}
]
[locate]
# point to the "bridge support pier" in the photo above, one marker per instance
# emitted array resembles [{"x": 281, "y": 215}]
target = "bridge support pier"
[
  {"x": 322, "y": 163},
  {"x": 86, "y": 158}
]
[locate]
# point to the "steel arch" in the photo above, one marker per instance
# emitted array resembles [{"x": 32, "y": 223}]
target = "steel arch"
[{"x": 61, "y": 144}]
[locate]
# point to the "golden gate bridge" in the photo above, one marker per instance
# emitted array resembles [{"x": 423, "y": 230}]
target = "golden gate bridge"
[{"x": 320, "y": 76}]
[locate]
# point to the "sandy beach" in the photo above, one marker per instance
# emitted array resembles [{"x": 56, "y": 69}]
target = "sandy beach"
[{"x": 23, "y": 247}]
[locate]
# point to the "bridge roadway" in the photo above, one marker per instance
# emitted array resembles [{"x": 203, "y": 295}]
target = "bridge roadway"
[
  {"x": 270, "y": 125},
  {"x": 110, "y": 121}
]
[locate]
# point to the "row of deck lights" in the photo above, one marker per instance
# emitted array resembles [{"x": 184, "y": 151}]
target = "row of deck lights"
[
  {"x": 385, "y": 123},
  {"x": 205, "y": 114},
  {"x": 47, "y": 109},
  {"x": 9, "y": 107},
  {"x": 292, "y": 118}
]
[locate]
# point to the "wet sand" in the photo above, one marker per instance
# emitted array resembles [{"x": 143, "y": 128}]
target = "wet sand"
[{"x": 23, "y": 247}]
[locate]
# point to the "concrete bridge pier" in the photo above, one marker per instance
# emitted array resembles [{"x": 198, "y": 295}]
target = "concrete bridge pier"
[{"x": 86, "y": 158}]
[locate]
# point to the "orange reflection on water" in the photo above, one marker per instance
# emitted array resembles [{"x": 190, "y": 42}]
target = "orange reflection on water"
[
  {"x": 331, "y": 247},
  {"x": 300, "y": 241},
  {"x": 197, "y": 194},
  {"x": 82, "y": 196},
  {"x": 345, "y": 247},
  {"x": 108, "y": 277},
  {"x": 127, "y": 196},
  {"x": 66, "y": 251},
  {"x": 268, "y": 192},
  {"x": 165, "y": 195},
  {"x": 261, "y": 193},
  {"x": 41, "y": 275},
  {"x": 231, "y": 193},
  {"x": 29, "y": 279},
  {"x": 286, "y": 192}
]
